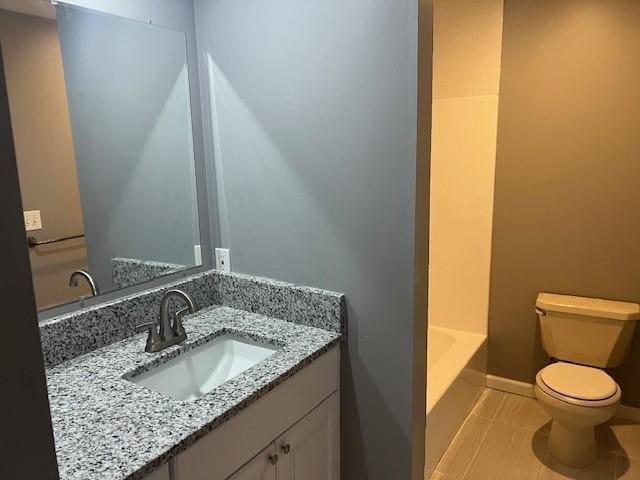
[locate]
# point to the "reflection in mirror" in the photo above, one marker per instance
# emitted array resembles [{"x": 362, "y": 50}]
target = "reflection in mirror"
[{"x": 102, "y": 129}]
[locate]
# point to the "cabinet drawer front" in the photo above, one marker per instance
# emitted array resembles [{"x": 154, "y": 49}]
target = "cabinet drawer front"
[{"x": 223, "y": 451}]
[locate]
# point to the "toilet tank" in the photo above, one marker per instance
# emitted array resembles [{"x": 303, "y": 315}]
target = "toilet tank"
[{"x": 588, "y": 331}]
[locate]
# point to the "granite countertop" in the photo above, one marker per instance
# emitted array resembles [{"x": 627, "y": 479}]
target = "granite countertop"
[{"x": 109, "y": 428}]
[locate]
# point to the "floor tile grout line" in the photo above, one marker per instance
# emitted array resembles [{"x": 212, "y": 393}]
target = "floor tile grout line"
[
  {"x": 453, "y": 440},
  {"x": 531, "y": 430},
  {"x": 493, "y": 416},
  {"x": 491, "y": 420},
  {"x": 473, "y": 457},
  {"x": 504, "y": 399},
  {"x": 495, "y": 420}
]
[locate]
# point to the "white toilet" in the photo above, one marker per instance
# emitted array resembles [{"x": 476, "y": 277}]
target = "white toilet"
[{"x": 581, "y": 333}]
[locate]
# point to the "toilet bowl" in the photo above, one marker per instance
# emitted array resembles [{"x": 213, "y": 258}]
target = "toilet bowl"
[
  {"x": 577, "y": 398},
  {"x": 583, "y": 335}
]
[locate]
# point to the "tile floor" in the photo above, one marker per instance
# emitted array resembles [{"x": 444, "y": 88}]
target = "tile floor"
[{"x": 505, "y": 437}]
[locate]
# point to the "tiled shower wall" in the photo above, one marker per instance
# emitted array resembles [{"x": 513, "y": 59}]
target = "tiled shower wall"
[{"x": 466, "y": 63}]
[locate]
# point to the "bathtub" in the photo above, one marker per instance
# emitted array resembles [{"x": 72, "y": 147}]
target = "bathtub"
[{"x": 456, "y": 376}]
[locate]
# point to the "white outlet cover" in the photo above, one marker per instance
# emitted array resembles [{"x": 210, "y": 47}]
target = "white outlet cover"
[
  {"x": 32, "y": 220},
  {"x": 223, "y": 259}
]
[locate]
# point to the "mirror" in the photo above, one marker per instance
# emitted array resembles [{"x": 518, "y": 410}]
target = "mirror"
[{"x": 101, "y": 119}]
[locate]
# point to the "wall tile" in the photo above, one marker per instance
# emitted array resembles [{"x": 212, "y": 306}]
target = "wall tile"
[
  {"x": 462, "y": 179},
  {"x": 467, "y": 47}
]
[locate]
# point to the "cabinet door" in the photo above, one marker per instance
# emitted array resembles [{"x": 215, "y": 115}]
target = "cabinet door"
[
  {"x": 309, "y": 450},
  {"x": 262, "y": 467}
]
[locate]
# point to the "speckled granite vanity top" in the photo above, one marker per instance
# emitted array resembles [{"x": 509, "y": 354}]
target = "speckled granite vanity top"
[{"x": 109, "y": 428}]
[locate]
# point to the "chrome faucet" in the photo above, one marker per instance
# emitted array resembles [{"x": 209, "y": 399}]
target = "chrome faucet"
[
  {"x": 73, "y": 281},
  {"x": 168, "y": 330}
]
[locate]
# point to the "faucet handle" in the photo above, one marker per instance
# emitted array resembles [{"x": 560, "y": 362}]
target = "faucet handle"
[
  {"x": 153, "y": 339},
  {"x": 178, "y": 328}
]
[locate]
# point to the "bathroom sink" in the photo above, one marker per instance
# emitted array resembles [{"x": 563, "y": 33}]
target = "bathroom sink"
[{"x": 197, "y": 372}]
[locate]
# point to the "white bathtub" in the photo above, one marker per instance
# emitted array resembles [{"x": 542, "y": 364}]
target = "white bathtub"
[{"x": 456, "y": 375}]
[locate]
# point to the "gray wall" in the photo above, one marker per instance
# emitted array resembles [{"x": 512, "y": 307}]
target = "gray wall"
[
  {"x": 26, "y": 436},
  {"x": 44, "y": 150},
  {"x": 313, "y": 130},
  {"x": 567, "y": 200},
  {"x": 132, "y": 136}
]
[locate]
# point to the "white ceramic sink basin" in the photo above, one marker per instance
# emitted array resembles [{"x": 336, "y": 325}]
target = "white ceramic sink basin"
[{"x": 197, "y": 372}]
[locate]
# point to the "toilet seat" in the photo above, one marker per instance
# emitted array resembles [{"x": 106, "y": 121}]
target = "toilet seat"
[{"x": 578, "y": 385}]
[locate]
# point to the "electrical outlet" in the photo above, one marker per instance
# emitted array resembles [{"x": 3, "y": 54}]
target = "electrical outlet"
[
  {"x": 32, "y": 220},
  {"x": 223, "y": 259}
]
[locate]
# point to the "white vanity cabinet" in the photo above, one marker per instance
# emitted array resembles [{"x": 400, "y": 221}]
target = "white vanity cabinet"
[
  {"x": 291, "y": 433},
  {"x": 307, "y": 451}
]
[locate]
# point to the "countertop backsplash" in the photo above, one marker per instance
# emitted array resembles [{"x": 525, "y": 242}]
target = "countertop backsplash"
[{"x": 67, "y": 336}]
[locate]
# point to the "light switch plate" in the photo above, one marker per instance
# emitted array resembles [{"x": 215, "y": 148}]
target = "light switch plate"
[
  {"x": 32, "y": 220},
  {"x": 223, "y": 259}
]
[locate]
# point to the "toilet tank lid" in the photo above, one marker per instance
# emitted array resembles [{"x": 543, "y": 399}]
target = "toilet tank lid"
[{"x": 591, "y": 307}]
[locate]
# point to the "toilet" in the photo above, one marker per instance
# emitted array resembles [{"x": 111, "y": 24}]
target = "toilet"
[{"x": 582, "y": 336}]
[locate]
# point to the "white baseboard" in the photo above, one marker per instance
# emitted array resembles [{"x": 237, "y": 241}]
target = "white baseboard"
[
  {"x": 624, "y": 412},
  {"x": 632, "y": 414},
  {"x": 510, "y": 386}
]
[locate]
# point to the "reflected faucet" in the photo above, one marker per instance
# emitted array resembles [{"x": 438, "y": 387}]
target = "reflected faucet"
[
  {"x": 165, "y": 333},
  {"x": 73, "y": 281}
]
